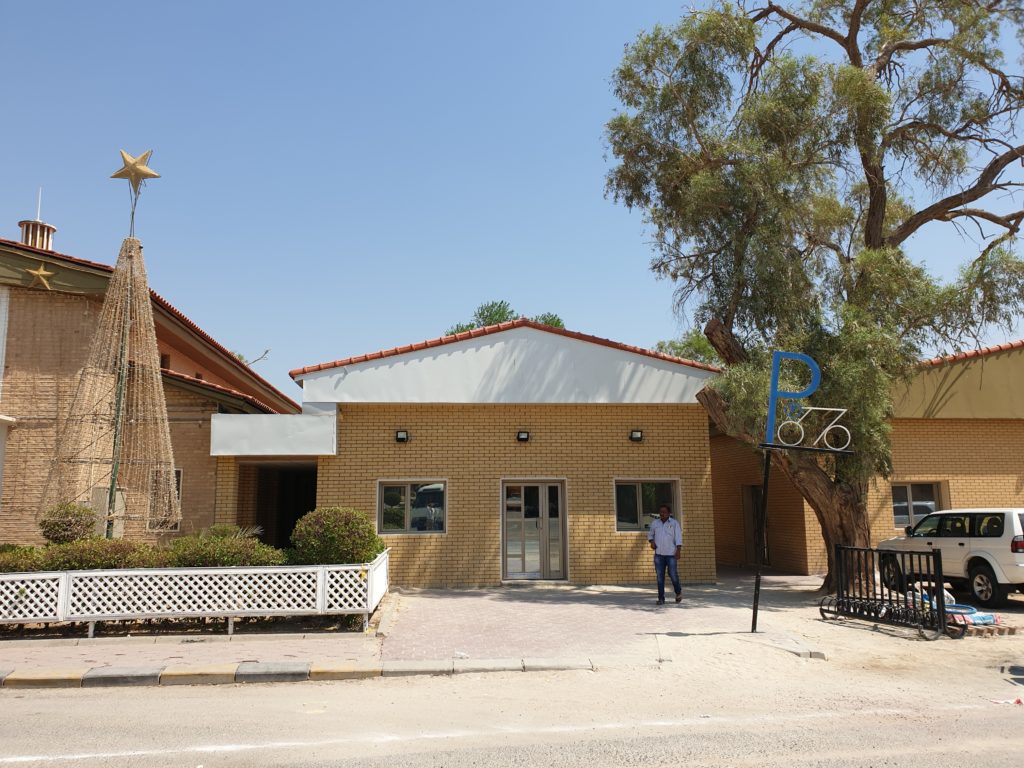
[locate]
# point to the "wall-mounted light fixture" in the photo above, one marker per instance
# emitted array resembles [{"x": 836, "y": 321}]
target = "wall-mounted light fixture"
[
  {"x": 402, "y": 436},
  {"x": 523, "y": 436},
  {"x": 636, "y": 435}
]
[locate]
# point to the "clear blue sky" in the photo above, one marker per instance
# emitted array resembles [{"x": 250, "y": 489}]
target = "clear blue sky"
[{"x": 338, "y": 177}]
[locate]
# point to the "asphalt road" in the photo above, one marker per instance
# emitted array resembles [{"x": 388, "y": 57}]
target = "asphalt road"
[{"x": 792, "y": 712}]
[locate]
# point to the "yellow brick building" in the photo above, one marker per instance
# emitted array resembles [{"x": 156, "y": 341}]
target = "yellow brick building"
[{"x": 512, "y": 452}]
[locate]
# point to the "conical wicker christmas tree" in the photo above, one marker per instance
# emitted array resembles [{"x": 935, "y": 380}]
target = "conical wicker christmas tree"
[{"x": 114, "y": 450}]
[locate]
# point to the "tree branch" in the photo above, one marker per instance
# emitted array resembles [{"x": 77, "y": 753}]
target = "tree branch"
[
  {"x": 886, "y": 54},
  {"x": 987, "y": 182},
  {"x": 804, "y": 24}
]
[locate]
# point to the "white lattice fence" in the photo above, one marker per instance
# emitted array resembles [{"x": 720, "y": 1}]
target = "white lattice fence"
[{"x": 192, "y": 592}]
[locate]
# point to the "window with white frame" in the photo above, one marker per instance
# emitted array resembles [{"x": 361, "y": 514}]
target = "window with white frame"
[
  {"x": 411, "y": 507},
  {"x": 637, "y": 502},
  {"x": 912, "y": 501}
]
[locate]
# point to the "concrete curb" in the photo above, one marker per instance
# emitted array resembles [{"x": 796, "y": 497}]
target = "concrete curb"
[
  {"x": 214, "y": 674},
  {"x": 45, "y": 678},
  {"x": 110, "y": 676},
  {"x": 278, "y": 672},
  {"x": 272, "y": 672}
]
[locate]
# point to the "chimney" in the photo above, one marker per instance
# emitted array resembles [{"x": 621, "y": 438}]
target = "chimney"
[{"x": 37, "y": 234}]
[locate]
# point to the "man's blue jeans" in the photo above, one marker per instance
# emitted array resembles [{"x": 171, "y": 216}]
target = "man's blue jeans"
[{"x": 661, "y": 562}]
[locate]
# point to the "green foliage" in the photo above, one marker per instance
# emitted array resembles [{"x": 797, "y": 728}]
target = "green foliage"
[
  {"x": 549, "y": 318},
  {"x": 330, "y": 535},
  {"x": 222, "y": 548},
  {"x": 692, "y": 345},
  {"x": 229, "y": 531},
  {"x": 15, "y": 559},
  {"x": 68, "y": 522},
  {"x": 495, "y": 312},
  {"x": 96, "y": 553}
]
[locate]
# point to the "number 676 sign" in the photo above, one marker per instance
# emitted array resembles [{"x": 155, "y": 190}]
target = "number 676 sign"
[{"x": 791, "y": 432}]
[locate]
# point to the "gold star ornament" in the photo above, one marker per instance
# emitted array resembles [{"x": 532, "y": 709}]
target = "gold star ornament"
[
  {"x": 40, "y": 276},
  {"x": 135, "y": 169}
]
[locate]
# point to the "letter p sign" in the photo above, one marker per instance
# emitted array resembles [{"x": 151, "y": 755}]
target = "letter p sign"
[{"x": 776, "y": 394}]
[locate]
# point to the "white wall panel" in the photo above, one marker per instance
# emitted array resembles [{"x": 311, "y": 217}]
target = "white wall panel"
[
  {"x": 522, "y": 365},
  {"x": 254, "y": 434}
]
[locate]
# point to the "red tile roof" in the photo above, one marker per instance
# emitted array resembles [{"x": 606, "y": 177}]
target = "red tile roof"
[
  {"x": 169, "y": 374},
  {"x": 171, "y": 309},
  {"x": 1005, "y": 347},
  {"x": 486, "y": 331}
]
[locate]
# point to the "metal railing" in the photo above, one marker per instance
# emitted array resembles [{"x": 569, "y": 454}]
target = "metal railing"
[
  {"x": 172, "y": 593},
  {"x": 903, "y": 589}
]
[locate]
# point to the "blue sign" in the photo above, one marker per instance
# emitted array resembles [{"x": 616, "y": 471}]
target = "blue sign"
[{"x": 775, "y": 394}]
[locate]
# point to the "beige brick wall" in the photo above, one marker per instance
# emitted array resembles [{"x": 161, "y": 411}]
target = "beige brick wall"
[
  {"x": 473, "y": 447},
  {"x": 977, "y": 462},
  {"x": 48, "y": 338},
  {"x": 733, "y": 466}
]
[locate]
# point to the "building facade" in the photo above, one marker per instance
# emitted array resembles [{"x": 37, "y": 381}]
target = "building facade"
[
  {"x": 511, "y": 452},
  {"x": 49, "y": 308}
]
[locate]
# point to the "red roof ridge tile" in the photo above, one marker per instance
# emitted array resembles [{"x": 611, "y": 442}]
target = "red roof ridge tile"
[
  {"x": 177, "y": 313},
  {"x": 1006, "y": 346},
  {"x": 218, "y": 388},
  {"x": 474, "y": 333}
]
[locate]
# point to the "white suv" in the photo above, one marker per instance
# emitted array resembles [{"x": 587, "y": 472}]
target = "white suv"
[{"x": 982, "y": 549}]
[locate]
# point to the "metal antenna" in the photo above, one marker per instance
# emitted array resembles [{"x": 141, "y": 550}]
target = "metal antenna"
[{"x": 39, "y": 204}]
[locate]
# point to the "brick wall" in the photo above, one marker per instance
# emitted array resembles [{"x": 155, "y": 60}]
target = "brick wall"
[
  {"x": 48, "y": 339},
  {"x": 733, "y": 466},
  {"x": 473, "y": 447},
  {"x": 977, "y": 462}
]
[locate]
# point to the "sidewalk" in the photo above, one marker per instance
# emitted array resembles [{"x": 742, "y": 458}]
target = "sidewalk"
[{"x": 513, "y": 628}]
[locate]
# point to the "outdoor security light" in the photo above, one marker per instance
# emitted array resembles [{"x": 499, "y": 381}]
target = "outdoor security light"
[
  {"x": 636, "y": 435},
  {"x": 522, "y": 436},
  {"x": 401, "y": 436}
]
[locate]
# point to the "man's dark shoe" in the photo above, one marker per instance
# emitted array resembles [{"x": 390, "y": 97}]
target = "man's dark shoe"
[
  {"x": 660, "y": 602},
  {"x": 679, "y": 598}
]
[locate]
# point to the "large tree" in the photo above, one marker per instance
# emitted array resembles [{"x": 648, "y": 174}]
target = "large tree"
[{"x": 784, "y": 157}]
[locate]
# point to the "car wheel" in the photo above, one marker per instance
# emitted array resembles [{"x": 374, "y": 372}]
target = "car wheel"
[
  {"x": 984, "y": 587},
  {"x": 892, "y": 574}
]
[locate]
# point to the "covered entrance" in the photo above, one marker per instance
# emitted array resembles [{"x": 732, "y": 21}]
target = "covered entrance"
[{"x": 533, "y": 530}]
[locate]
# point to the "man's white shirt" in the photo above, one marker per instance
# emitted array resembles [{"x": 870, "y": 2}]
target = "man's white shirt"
[{"x": 666, "y": 536}]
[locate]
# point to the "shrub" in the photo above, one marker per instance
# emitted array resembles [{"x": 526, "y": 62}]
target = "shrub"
[
  {"x": 205, "y": 550},
  {"x": 335, "y": 535},
  {"x": 86, "y": 554},
  {"x": 15, "y": 559},
  {"x": 68, "y": 522},
  {"x": 229, "y": 531}
]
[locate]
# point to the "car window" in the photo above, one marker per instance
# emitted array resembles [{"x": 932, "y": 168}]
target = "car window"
[
  {"x": 955, "y": 525},
  {"x": 927, "y": 527},
  {"x": 989, "y": 525}
]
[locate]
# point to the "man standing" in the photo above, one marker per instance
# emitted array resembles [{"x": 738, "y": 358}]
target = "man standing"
[{"x": 666, "y": 538}]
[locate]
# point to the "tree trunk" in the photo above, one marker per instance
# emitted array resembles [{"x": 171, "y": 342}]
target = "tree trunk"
[{"x": 841, "y": 507}]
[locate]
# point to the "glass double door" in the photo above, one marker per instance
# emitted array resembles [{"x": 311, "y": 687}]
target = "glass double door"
[{"x": 533, "y": 524}]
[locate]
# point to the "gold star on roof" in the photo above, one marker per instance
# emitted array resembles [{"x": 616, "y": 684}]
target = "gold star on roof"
[
  {"x": 40, "y": 276},
  {"x": 135, "y": 169}
]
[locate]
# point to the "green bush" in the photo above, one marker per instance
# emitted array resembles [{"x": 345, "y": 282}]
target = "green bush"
[
  {"x": 203, "y": 551},
  {"x": 87, "y": 554},
  {"x": 68, "y": 522},
  {"x": 335, "y": 535},
  {"x": 229, "y": 531},
  {"x": 15, "y": 559}
]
